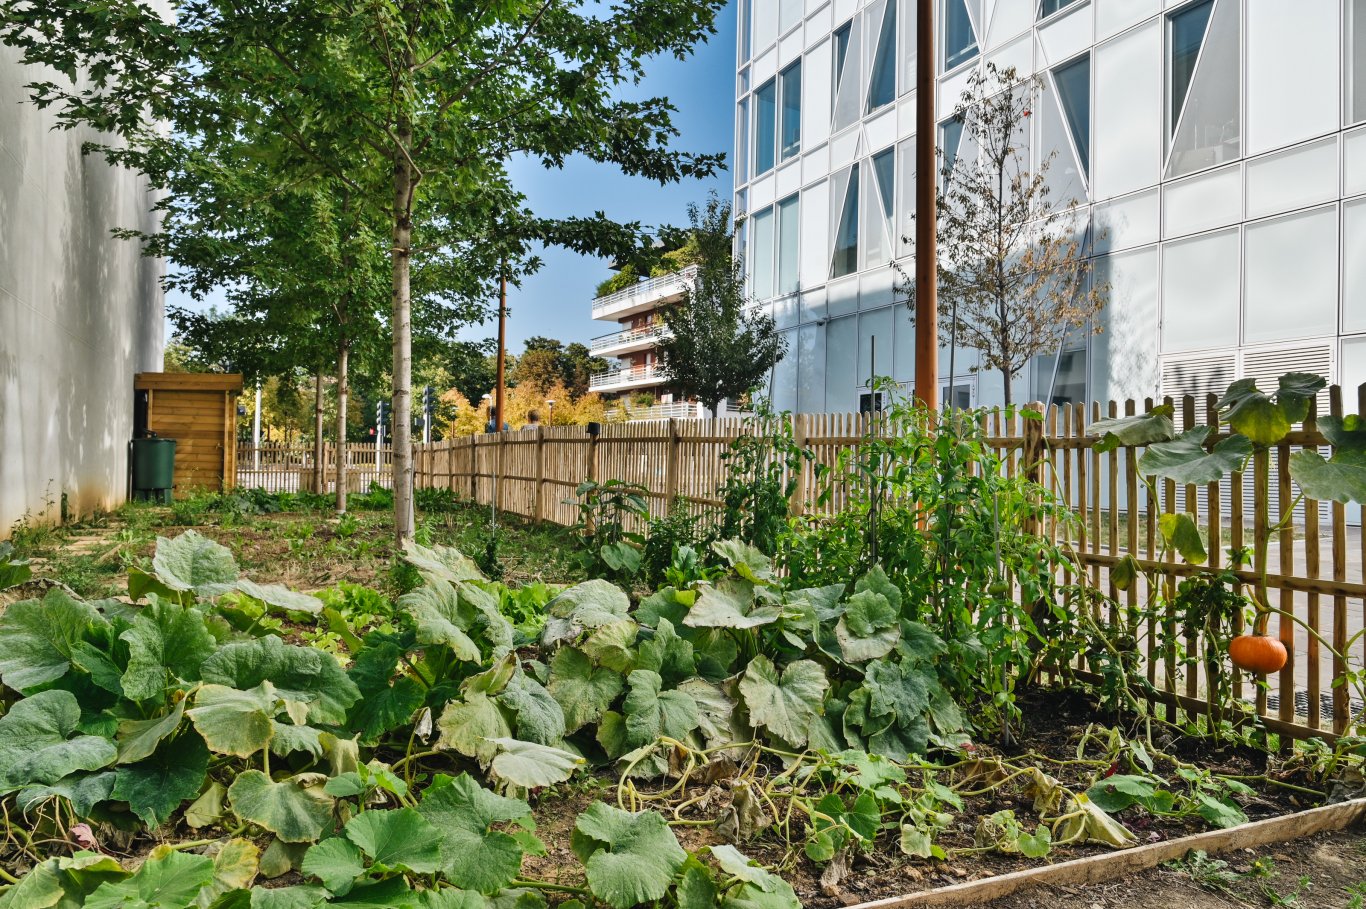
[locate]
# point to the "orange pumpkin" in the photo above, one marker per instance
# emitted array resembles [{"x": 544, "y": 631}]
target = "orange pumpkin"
[{"x": 1257, "y": 653}]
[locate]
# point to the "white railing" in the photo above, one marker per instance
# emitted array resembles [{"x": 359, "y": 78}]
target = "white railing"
[
  {"x": 625, "y": 375},
  {"x": 630, "y": 336},
  {"x": 679, "y": 410},
  {"x": 644, "y": 291}
]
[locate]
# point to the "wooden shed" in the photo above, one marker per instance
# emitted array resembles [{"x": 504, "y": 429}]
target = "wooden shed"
[{"x": 199, "y": 411}]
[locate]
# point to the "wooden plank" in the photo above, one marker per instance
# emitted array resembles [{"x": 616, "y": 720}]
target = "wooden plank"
[
  {"x": 1097, "y": 869},
  {"x": 173, "y": 381}
]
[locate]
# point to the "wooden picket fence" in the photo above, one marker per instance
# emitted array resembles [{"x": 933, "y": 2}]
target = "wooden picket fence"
[{"x": 294, "y": 468}]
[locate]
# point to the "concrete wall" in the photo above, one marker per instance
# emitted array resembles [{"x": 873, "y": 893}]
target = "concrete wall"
[{"x": 80, "y": 313}]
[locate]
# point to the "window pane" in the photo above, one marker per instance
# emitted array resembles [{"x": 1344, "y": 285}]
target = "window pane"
[
  {"x": 960, "y": 41},
  {"x": 1200, "y": 293},
  {"x": 1356, "y": 62},
  {"x": 791, "y": 129},
  {"x": 1068, "y": 385},
  {"x": 882, "y": 85},
  {"x": 877, "y": 232},
  {"x": 848, "y": 96},
  {"x": 761, "y": 259},
  {"x": 1049, "y": 7},
  {"x": 1187, "y": 34},
  {"x": 742, "y": 142},
  {"x": 1208, "y": 131},
  {"x": 908, "y": 25},
  {"x": 765, "y": 112},
  {"x": 788, "y": 225},
  {"x": 905, "y": 227},
  {"x": 1291, "y": 289},
  {"x": 950, "y": 137},
  {"x": 845, "y": 260},
  {"x": 1074, "y": 94}
]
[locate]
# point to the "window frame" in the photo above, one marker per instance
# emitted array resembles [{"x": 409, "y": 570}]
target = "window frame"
[
  {"x": 756, "y": 135},
  {"x": 1084, "y": 160},
  {"x": 786, "y": 152},
  {"x": 969, "y": 53}
]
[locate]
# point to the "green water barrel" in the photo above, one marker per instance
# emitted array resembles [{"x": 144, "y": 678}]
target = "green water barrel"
[{"x": 153, "y": 468}]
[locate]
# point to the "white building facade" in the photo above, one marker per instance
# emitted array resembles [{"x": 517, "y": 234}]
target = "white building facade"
[{"x": 1218, "y": 148}]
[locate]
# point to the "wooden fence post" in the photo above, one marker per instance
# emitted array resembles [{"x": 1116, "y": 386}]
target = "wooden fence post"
[
  {"x": 540, "y": 474},
  {"x": 498, "y": 472},
  {"x": 796, "y": 505},
  {"x": 671, "y": 468}
]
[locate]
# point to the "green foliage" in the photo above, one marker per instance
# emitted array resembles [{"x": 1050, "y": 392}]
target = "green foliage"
[
  {"x": 13, "y": 570},
  {"x": 607, "y": 510}
]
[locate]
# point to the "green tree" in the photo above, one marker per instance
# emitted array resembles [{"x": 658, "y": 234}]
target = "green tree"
[
  {"x": 415, "y": 107},
  {"x": 1012, "y": 261},
  {"x": 717, "y": 349}
]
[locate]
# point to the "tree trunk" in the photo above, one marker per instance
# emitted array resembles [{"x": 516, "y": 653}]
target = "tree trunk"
[
  {"x": 319, "y": 452},
  {"x": 402, "y": 409},
  {"x": 343, "y": 395},
  {"x": 1005, "y": 377}
]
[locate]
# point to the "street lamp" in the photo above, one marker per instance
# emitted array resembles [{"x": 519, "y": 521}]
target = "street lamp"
[{"x": 550, "y": 410}]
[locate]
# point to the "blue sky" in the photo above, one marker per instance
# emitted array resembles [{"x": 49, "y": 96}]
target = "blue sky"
[{"x": 556, "y": 301}]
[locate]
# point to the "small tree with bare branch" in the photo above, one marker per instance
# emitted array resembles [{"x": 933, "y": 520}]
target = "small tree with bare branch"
[{"x": 1013, "y": 272}]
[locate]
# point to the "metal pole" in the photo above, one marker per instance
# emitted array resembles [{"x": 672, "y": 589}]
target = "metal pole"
[
  {"x": 256, "y": 434},
  {"x": 502, "y": 341},
  {"x": 926, "y": 219}
]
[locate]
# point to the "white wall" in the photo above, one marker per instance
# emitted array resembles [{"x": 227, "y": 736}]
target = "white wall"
[{"x": 80, "y": 313}]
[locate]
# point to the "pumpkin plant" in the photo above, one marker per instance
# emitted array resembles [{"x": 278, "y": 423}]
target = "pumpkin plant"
[{"x": 1201, "y": 455}]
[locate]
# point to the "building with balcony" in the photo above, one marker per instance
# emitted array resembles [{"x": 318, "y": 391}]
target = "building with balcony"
[
  {"x": 1217, "y": 149},
  {"x": 632, "y": 349}
]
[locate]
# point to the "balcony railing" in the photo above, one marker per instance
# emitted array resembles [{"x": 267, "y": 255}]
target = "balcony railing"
[
  {"x": 644, "y": 292},
  {"x": 626, "y": 376},
  {"x": 630, "y": 336}
]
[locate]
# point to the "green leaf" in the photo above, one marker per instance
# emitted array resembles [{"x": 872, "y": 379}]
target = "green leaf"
[
  {"x": 443, "y": 617},
  {"x": 715, "y": 710},
  {"x": 155, "y": 787},
  {"x": 36, "y": 744},
  {"x": 1185, "y": 460},
  {"x": 473, "y": 853},
  {"x": 730, "y": 603},
  {"x": 298, "y": 674},
  {"x": 194, "y": 562},
  {"x": 298, "y": 897},
  {"x": 287, "y": 738},
  {"x": 441, "y": 563},
  {"x": 234, "y": 868},
  {"x": 1266, "y": 422},
  {"x": 621, "y": 557},
  {"x": 278, "y": 596},
  {"x": 37, "y": 638},
  {"x": 869, "y": 628},
  {"x": 1180, "y": 532},
  {"x": 588, "y": 605},
  {"x": 784, "y": 704},
  {"x": 1219, "y": 812},
  {"x": 167, "y": 880},
  {"x": 611, "y": 645},
  {"x": 747, "y": 561},
  {"x": 1118, "y": 791},
  {"x": 631, "y": 858},
  {"x": 167, "y": 642},
  {"x": 469, "y": 727},
  {"x": 739, "y": 866},
  {"x": 397, "y": 840},
  {"x": 695, "y": 889},
  {"x": 582, "y": 691},
  {"x": 61, "y": 882},
  {"x": 235, "y": 722},
  {"x": 1341, "y": 478},
  {"x": 1142, "y": 429},
  {"x": 83, "y": 790},
  {"x": 667, "y": 654},
  {"x": 383, "y": 706},
  {"x": 532, "y": 766},
  {"x": 208, "y": 808},
  {"x": 139, "y": 738},
  {"x": 290, "y": 811},
  {"x": 539, "y": 716},
  {"x": 916, "y": 841},
  {"x": 651, "y": 712},
  {"x": 337, "y": 862},
  {"x": 1087, "y": 823}
]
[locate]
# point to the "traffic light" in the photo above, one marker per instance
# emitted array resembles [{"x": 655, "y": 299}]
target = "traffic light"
[
  {"x": 381, "y": 412},
  {"x": 428, "y": 400}
]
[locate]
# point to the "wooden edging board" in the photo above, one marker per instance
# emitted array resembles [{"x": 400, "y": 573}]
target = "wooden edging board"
[{"x": 1096, "y": 869}]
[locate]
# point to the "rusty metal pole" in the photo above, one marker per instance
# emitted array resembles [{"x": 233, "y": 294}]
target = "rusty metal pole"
[
  {"x": 926, "y": 217},
  {"x": 502, "y": 344}
]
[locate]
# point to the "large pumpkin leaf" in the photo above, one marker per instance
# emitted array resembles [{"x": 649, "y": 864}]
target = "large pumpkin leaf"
[
  {"x": 37, "y": 746},
  {"x": 443, "y": 618},
  {"x": 167, "y": 880},
  {"x": 667, "y": 653},
  {"x": 137, "y": 739},
  {"x": 194, "y": 562},
  {"x": 298, "y": 674},
  {"x": 83, "y": 790},
  {"x": 631, "y": 858},
  {"x": 1263, "y": 419},
  {"x": 62, "y": 882},
  {"x": 234, "y": 868},
  {"x": 174, "y": 773},
  {"x": 278, "y": 596},
  {"x": 383, "y": 704},
  {"x": 470, "y": 725},
  {"x": 1180, "y": 532},
  {"x": 786, "y": 703},
  {"x": 473, "y": 853},
  {"x": 869, "y": 628},
  {"x": 168, "y": 642},
  {"x": 731, "y": 603},
  {"x": 336, "y": 861},
  {"x": 441, "y": 563},
  {"x": 588, "y": 605},
  {"x": 299, "y": 896},
  {"x": 582, "y": 691},
  {"x": 748, "y": 562},
  {"x": 532, "y": 766},
  {"x": 539, "y": 716},
  {"x": 612, "y": 645},
  {"x": 1185, "y": 460},
  {"x": 290, "y": 811},
  {"x": 37, "y": 638},
  {"x": 1142, "y": 429},
  {"x": 235, "y": 722},
  {"x": 397, "y": 840},
  {"x": 1341, "y": 478},
  {"x": 651, "y": 712}
]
